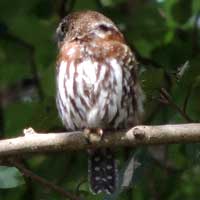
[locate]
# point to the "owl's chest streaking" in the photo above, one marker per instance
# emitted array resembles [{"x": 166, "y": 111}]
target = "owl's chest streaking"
[{"x": 95, "y": 86}]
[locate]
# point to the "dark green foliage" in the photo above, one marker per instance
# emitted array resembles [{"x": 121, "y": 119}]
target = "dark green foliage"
[{"x": 165, "y": 36}]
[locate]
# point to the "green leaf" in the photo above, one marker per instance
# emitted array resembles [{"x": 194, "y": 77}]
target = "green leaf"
[
  {"x": 111, "y": 3},
  {"x": 10, "y": 177},
  {"x": 181, "y": 11},
  {"x": 195, "y": 6}
]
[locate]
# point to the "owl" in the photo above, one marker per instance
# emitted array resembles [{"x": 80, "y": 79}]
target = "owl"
[{"x": 97, "y": 86}]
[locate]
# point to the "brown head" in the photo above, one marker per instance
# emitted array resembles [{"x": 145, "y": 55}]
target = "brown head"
[{"x": 79, "y": 25}]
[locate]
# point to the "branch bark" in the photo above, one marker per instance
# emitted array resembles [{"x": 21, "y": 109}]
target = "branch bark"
[{"x": 33, "y": 142}]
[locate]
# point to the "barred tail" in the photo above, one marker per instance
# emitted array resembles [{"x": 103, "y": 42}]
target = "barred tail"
[{"x": 102, "y": 171}]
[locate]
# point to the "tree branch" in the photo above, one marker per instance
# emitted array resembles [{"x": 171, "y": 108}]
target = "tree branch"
[
  {"x": 33, "y": 142},
  {"x": 27, "y": 173}
]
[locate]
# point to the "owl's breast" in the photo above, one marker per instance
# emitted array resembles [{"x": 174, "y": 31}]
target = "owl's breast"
[{"x": 93, "y": 91}]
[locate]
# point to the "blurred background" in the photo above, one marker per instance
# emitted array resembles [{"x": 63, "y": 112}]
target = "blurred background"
[{"x": 165, "y": 37}]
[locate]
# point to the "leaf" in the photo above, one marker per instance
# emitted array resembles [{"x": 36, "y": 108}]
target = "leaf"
[
  {"x": 181, "y": 11},
  {"x": 182, "y": 69},
  {"x": 10, "y": 177},
  {"x": 111, "y": 3},
  {"x": 129, "y": 171}
]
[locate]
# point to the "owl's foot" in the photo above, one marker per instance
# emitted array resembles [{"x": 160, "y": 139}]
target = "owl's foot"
[{"x": 93, "y": 135}]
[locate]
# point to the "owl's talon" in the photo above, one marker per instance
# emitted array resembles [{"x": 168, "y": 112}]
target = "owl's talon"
[
  {"x": 100, "y": 132},
  {"x": 86, "y": 133},
  {"x": 93, "y": 135}
]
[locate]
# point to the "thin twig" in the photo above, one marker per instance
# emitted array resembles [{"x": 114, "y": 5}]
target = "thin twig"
[
  {"x": 166, "y": 99},
  {"x": 28, "y": 173},
  {"x": 188, "y": 95}
]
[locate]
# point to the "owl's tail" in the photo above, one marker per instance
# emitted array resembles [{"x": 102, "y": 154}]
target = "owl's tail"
[{"x": 102, "y": 171}]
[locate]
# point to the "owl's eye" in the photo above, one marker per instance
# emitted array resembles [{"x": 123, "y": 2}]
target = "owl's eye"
[
  {"x": 103, "y": 30},
  {"x": 104, "y": 27},
  {"x": 63, "y": 28},
  {"x": 61, "y": 32}
]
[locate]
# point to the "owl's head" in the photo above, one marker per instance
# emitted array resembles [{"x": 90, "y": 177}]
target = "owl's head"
[{"x": 82, "y": 24}]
